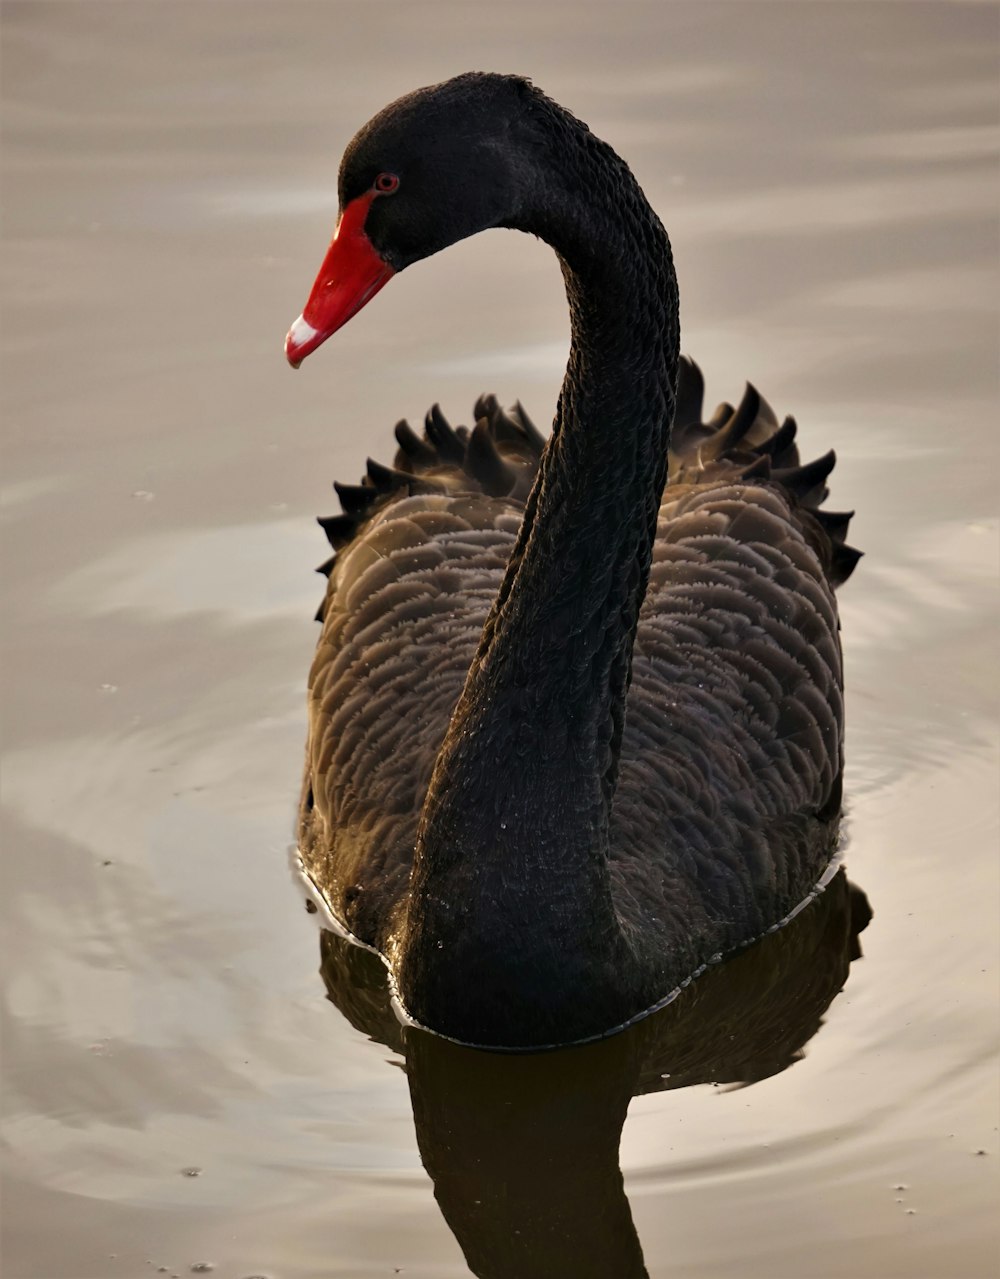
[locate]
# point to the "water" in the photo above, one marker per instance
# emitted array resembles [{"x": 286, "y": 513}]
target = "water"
[{"x": 828, "y": 176}]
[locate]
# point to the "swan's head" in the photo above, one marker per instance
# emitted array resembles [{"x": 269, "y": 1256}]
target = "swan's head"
[{"x": 429, "y": 170}]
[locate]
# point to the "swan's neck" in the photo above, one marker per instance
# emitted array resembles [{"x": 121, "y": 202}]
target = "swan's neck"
[{"x": 512, "y": 851}]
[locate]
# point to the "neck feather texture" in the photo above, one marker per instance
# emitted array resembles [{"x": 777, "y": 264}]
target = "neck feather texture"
[{"x": 512, "y": 851}]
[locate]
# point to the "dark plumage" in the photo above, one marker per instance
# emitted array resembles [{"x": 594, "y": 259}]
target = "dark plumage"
[{"x": 543, "y": 828}]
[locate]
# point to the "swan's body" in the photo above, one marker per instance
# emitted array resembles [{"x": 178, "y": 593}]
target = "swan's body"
[{"x": 542, "y": 828}]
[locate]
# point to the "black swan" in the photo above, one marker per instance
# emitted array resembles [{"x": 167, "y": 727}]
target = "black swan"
[{"x": 575, "y": 719}]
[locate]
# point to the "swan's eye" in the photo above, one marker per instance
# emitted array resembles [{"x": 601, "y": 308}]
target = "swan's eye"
[{"x": 386, "y": 183}]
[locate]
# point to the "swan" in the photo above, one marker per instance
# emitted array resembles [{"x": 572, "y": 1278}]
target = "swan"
[{"x": 576, "y": 711}]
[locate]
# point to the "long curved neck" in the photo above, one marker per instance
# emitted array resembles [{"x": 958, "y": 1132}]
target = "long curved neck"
[
  {"x": 558, "y": 642},
  {"x": 516, "y": 817}
]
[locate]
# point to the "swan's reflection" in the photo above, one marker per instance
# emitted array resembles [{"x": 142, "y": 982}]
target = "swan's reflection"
[{"x": 523, "y": 1150}]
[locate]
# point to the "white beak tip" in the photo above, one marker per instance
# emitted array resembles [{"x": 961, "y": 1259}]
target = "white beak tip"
[{"x": 300, "y": 335}]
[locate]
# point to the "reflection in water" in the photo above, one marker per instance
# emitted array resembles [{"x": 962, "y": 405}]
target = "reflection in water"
[{"x": 523, "y": 1150}]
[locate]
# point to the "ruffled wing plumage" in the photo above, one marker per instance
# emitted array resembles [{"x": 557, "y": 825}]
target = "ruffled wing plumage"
[{"x": 730, "y": 765}]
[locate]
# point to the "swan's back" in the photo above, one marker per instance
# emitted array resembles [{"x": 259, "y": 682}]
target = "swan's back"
[{"x": 729, "y": 780}]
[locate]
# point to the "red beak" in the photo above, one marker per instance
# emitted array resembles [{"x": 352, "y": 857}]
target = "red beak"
[{"x": 351, "y": 274}]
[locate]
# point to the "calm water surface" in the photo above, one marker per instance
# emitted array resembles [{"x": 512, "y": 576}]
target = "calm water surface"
[{"x": 828, "y": 175}]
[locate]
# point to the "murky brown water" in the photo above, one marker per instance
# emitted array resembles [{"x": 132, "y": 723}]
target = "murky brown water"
[{"x": 828, "y": 174}]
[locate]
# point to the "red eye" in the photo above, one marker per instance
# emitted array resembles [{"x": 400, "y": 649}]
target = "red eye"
[{"x": 386, "y": 183}]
